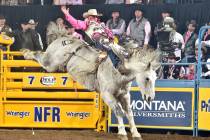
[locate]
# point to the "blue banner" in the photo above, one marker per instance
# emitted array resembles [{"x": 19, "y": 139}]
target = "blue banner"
[{"x": 168, "y": 109}]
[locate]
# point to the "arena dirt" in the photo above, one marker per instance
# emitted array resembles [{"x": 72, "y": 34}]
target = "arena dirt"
[{"x": 17, "y": 134}]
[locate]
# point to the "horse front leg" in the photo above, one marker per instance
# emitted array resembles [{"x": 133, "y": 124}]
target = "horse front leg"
[
  {"x": 111, "y": 101},
  {"x": 125, "y": 101}
]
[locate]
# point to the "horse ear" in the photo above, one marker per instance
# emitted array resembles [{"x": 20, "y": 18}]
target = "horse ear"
[
  {"x": 156, "y": 66},
  {"x": 148, "y": 67}
]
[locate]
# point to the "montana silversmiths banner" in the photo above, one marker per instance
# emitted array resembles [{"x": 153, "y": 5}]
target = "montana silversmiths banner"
[{"x": 170, "y": 109}]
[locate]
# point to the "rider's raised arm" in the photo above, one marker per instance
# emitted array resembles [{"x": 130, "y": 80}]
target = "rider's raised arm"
[{"x": 77, "y": 24}]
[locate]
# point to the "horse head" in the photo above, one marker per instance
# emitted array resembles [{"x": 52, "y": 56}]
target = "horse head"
[{"x": 143, "y": 64}]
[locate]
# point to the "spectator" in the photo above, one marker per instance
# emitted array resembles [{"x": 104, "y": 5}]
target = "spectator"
[
  {"x": 114, "y": 2},
  {"x": 139, "y": 28},
  {"x": 25, "y": 2},
  {"x": 155, "y": 1},
  {"x": 116, "y": 24},
  {"x": 32, "y": 25},
  {"x": 60, "y": 24},
  {"x": 9, "y": 2},
  {"x": 191, "y": 73},
  {"x": 189, "y": 41},
  {"x": 206, "y": 38},
  {"x": 207, "y": 34},
  {"x": 4, "y": 27},
  {"x": 203, "y": 52},
  {"x": 205, "y": 43},
  {"x": 42, "y": 2},
  {"x": 204, "y": 58},
  {"x": 27, "y": 38},
  {"x": 94, "y": 1},
  {"x": 171, "y": 1},
  {"x": 134, "y": 1},
  {"x": 68, "y": 2},
  {"x": 173, "y": 71},
  {"x": 206, "y": 74},
  {"x": 16, "y": 2}
]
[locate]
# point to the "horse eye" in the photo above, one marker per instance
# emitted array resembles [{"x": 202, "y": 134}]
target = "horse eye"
[{"x": 147, "y": 79}]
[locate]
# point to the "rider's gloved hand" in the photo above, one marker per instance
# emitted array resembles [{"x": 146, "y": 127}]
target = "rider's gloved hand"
[{"x": 96, "y": 36}]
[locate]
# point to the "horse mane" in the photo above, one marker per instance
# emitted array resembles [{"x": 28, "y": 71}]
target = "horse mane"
[
  {"x": 141, "y": 54},
  {"x": 54, "y": 32},
  {"x": 146, "y": 55}
]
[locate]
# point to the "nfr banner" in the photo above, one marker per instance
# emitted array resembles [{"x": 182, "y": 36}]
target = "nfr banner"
[{"x": 172, "y": 109}]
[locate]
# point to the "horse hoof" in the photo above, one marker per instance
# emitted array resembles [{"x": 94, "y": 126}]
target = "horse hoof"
[
  {"x": 123, "y": 137},
  {"x": 137, "y": 138}
]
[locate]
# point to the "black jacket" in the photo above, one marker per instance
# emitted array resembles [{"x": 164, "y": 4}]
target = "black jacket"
[
  {"x": 28, "y": 39},
  {"x": 189, "y": 48}
]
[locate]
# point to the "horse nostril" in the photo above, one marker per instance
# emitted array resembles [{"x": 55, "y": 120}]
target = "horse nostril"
[
  {"x": 145, "y": 98},
  {"x": 149, "y": 99}
]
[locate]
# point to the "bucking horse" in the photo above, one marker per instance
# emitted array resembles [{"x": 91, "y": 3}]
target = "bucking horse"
[{"x": 80, "y": 60}]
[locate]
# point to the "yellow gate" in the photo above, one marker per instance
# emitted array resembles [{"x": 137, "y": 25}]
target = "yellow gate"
[{"x": 31, "y": 97}]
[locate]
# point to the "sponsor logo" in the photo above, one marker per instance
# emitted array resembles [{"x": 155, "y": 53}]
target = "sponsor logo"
[
  {"x": 48, "y": 80},
  {"x": 20, "y": 114},
  {"x": 159, "y": 109},
  {"x": 43, "y": 114},
  {"x": 81, "y": 115},
  {"x": 67, "y": 42},
  {"x": 205, "y": 106},
  {"x": 170, "y": 108}
]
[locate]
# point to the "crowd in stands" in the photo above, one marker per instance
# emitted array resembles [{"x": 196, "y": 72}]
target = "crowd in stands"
[
  {"x": 80, "y": 2},
  {"x": 73, "y": 2},
  {"x": 185, "y": 45}
]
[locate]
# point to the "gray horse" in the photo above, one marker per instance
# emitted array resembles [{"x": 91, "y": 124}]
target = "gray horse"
[{"x": 81, "y": 62}]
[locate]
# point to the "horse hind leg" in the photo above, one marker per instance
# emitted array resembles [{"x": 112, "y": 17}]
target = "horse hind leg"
[
  {"x": 31, "y": 55},
  {"x": 27, "y": 54},
  {"x": 45, "y": 61},
  {"x": 41, "y": 57},
  {"x": 125, "y": 101}
]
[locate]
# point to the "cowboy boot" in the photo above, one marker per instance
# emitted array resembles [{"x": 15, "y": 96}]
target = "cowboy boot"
[{"x": 123, "y": 71}]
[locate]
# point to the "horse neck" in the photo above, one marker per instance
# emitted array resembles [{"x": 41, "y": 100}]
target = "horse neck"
[{"x": 128, "y": 76}]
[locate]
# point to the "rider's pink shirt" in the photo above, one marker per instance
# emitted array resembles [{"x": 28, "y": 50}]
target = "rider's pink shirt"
[
  {"x": 77, "y": 24},
  {"x": 83, "y": 25}
]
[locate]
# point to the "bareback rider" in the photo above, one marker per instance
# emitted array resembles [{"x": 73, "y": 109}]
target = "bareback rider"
[{"x": 97, "y": 32}]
